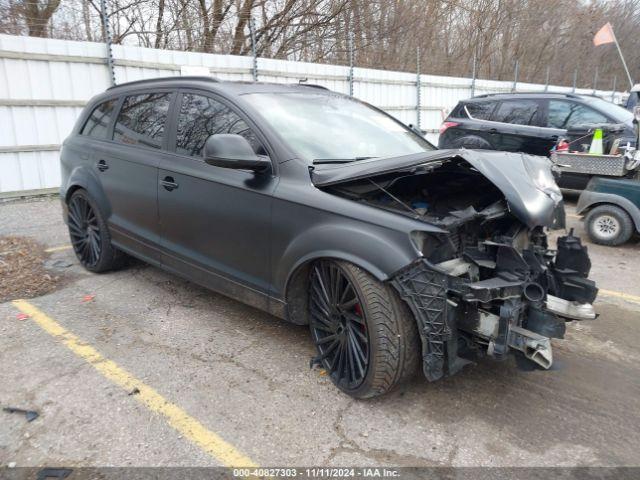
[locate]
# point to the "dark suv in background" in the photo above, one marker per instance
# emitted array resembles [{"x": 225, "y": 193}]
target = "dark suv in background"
[{"x": 527, "y": 122}]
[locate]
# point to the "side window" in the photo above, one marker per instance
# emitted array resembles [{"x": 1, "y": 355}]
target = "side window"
[
  {"x": 519, "y": 112},
  {"x": 98, "y": 122},
  {"x": 201, "y": 117},
  {"x": 480, "y": 110},
  {"x": 559, "y": 113},
  {"x": 569, "y": 114},
  {"x": 141, "y": 120},
  {"x": 583, "y": 115}
]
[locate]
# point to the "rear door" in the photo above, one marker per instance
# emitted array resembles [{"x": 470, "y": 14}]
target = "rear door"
[
  {"x": 128, "y": 169},
  {"x": 517, "y": 123},
  {"x": 476, "y": 124},
  {"x": 215, "y": 222}
]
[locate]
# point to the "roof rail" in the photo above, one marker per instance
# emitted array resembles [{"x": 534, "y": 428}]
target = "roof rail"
[
  {"x": 201, "y": 78},
  {"x": 567, "y": 94},
  {"x": 311, "y": 85}
]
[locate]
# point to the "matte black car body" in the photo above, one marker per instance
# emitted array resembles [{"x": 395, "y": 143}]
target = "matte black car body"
[
  {"x": 254, "y": 236},
  {"x": 536, "y": 137}
]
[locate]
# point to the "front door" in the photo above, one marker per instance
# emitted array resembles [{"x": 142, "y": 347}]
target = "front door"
[{"x": 215, "y": 222}]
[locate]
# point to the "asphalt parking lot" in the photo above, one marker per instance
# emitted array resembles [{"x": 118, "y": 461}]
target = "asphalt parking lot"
[{"x": 141, "y": 368}]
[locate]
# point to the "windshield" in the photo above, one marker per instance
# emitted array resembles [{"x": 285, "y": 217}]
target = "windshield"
[
  {"x": 332, "y": 127},
  {"x": 619, "y": 114}
]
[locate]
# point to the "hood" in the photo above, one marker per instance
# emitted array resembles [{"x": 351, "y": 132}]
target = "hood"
[{"x": 525, "y": 180}]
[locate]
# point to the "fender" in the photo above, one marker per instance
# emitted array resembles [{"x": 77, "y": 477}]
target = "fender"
[
  {"x": 381, "y": 252},
  {"x": 83, "y": 177},
  {"x": 589, "y": 199}
]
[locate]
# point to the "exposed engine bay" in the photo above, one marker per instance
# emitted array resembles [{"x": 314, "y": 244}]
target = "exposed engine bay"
[{"x": 487, "y": 281}]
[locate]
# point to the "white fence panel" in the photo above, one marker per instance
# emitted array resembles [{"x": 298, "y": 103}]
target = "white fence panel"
[{"x": 44, "y": 84}]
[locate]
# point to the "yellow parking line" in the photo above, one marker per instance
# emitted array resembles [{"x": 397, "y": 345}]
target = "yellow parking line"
[
  {"x": 57, "y": 249},
  {"x": 624, "y": 296},
  {"x": 176, "y": 417}
]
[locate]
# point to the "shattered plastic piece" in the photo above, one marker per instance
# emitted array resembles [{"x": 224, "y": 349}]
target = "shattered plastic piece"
[
  {"x": 88, "y": 298},
  {"x": 22, "y": 316},
  {"x": 135, "y": 391},
  {"x": 30, "y": 415}
]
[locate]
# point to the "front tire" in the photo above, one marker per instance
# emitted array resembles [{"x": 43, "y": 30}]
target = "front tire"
[
  {"x": 609, "y": 225},
  {"x": 366, "y": 337},
  {"x": 89, "y": 234}
]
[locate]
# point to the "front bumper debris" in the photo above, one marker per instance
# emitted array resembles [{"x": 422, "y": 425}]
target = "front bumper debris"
[{"x": 525, "y": 302}]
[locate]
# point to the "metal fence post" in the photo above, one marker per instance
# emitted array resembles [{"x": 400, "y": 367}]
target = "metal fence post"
[
  {"x": 351, "y": 64},
  {"x": 613, "y": 89},
  {"x": 515, "y": 77},
  {"x": 418, "y": 89},
  {"x": 595, "y": 81},
  {"x": 252, "y": 33},
  {"x": 107, "y": 40},
  {"x": 546, "y": 82},
  {"x": 575, "y": 79},
  {"x": 473, "y": 74}
]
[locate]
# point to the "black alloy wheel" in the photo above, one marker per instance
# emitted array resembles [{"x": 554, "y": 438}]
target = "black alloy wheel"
[
  {"x": 338, "y": 325},
  {"x": 84, "y": 231},
  {"x": 90, "y": 236}
]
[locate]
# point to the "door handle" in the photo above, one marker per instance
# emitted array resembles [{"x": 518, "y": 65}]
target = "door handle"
[
  {"x": 102, "y": 166},
  {"x": 169, "y": 183},
  {"x": 493, "y": 131},
  {"x": 553, "y": 137}
]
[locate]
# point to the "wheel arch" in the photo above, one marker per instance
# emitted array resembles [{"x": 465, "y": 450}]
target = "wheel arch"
[
  {"x": 590, "y": 200},
  {"x": 371, "y": 251},
  {"x": 83, "y": 179},
  {"x": 460, "y": 142}
]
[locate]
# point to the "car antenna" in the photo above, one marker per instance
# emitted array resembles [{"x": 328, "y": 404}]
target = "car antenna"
[{"x": 395, "y": 198}]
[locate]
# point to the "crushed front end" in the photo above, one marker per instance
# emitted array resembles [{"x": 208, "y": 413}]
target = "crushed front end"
[
  {"x": 485, "y": 280},
  {"x": 491, "y": 284},
  {"x": 500, "y": 294}
]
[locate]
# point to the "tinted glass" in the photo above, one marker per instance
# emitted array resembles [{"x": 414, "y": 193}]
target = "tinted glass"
[
  {"x": 325, "y": 126},
  {"x": 141, "y": 120},
  {"x": 569, "y": 114},
  {"x": 481, "y": 110},
  {"x": 520, "y": 112},
  {"x": 201, "y": 117},
  {"x": 98, "y": 121},
  {"x": 619, "y": 114}
]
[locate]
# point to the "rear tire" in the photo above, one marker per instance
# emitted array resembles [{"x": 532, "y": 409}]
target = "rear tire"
[
  {"x": 609, "y": 225},
  {"x": 348, "y": 305},
  {"x": 90, "y": 236}
]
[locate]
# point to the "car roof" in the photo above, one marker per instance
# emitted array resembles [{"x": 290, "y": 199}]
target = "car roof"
[{"x": 213, "y": 84}]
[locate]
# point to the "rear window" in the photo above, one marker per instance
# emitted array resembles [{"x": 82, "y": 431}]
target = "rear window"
[
  {"x": 99, "y": 120},
  {"x": 480, "y": 110},
  {"x": 142, "y": 119},
  {"x": 519, "y": 112}
]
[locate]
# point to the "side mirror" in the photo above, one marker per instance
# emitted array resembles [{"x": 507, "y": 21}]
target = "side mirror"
[{"x": 233, "y": 151}]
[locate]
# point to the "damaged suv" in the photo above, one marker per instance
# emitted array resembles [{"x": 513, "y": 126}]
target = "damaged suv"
[{"x": 327, "y": 212}]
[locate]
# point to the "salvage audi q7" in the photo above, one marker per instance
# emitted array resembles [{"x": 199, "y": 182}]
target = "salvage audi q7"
[{"x": 327, "y": 212}]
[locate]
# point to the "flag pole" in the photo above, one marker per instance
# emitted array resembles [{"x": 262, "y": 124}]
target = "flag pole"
[{"x": 626, "y": 69}]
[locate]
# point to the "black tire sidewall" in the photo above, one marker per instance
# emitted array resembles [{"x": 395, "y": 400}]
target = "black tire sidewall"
[
  {"x": 623, "y": 218},
  {"x": 401, "y": 331},
  {"x": 107, "y": 259}
]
